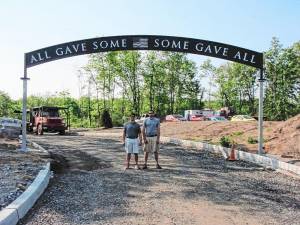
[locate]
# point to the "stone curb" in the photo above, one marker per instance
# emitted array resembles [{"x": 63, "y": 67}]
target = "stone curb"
[
  {"x": 262, "y": 160},
  {"x": 37, "y": 146},
  {"x": 15, "y": 211}
]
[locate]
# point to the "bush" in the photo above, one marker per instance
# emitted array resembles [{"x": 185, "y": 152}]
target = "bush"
[
  {"x": 237, "y": 133},
  {"x": 106, "y": 119},
  {"x": 225, "y": 141},
  {"x": 252, "y": 140},
  {"x": 118, "y": 120}
]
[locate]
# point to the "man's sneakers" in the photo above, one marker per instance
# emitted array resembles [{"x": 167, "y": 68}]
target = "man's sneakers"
[
  {"x": 145, "y": 167},
  {"x": 157, "y": 167},
  {"x": 136, "y": 167}
]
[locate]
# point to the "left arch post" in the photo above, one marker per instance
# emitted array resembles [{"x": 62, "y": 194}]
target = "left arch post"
[{"x": 24, "y": 109}]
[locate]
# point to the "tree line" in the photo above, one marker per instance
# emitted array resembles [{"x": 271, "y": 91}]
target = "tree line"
[{"x": 168, "y": 83}]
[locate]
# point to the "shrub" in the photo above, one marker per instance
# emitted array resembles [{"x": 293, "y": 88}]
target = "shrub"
[
  {"x": 106, "y": 119},
  {"x": 237, "y": 133},
  {"x": 225, "y": 141},
  {"x": 252, "y": 140}
]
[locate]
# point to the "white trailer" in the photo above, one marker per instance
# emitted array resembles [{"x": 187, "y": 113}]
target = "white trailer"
[{"x": 199, "y": 113}]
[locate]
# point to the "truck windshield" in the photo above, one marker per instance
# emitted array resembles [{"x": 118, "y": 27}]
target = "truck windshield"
[{"x": 50, "y": 113}]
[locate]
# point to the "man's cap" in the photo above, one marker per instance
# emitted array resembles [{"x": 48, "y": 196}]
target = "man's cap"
[{"x": 151, "y": 112}]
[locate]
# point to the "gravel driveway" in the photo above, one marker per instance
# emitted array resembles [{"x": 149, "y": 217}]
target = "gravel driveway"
[{"x": 91, "y": 187}]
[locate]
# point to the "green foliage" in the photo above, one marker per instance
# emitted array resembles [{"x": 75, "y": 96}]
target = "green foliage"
[
  {"x": 252, "y": 140},
  {"x": 237, "y": 87},
  {"x": 7, "y": 105},
  {"x": 283, "y": 81},
  {"x": 225, "y": 141},
  {"x": 163, "y": 81},
  {"x": 237, "y": 133}
]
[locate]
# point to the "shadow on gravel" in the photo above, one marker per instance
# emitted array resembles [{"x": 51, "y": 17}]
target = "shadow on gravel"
[
  {"x": 65, "y": 157},
  {"x": 80, "y": 161}
]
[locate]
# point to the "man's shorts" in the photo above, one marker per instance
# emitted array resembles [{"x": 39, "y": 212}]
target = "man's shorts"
[
  {"x": 152, "y": 145},
  {"x": 132, "y": 145}
]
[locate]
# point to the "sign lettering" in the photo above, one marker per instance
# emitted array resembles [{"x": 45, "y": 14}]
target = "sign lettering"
[{"x": 145, "y": 42}]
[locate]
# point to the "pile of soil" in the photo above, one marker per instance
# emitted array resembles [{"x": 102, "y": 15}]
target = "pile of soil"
[
  {"x": 285, "y": 140},
  {"x": 280, "y": 137},
  {"x": 6, "y": 143}
]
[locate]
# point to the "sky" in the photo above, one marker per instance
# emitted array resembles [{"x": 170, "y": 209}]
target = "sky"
[{"x": 30, "y": 25}]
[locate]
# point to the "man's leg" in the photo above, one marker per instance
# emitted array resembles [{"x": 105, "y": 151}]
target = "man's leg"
[
  {"x": 156, "y": 155},
  {"x": 136, "y": 158},
  {"x": 156, "y": 159},
  {"x": 128, "y": 160},
  {"x": 146, "y": 154}
]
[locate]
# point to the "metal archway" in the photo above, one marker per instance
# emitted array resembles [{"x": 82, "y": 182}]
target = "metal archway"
[{"x": 145, "y": 42}]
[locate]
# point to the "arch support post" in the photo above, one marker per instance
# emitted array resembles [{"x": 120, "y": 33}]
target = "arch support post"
[
  {"x": 24, "y": 109},
  {"x": 260, "y": 113}
]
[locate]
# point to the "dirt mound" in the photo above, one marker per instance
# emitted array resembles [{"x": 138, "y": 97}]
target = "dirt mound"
[
  {"x": 280, "y": 138},
  {"x": 285, "y": 140},
  {"x": 211, "y": 132},
  {"x": 8, "y": 144}
]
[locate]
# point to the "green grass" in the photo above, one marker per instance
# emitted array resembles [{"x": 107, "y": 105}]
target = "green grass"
[
  {"x": 225, "y": 141},
  {"x": 237, "y": 133},
  {"x": 252, "y": 140}
]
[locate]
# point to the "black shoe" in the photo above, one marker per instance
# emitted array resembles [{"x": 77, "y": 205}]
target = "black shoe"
[
  {"x": 158, "y": 167},
  {"x": 145, "y": 167}
]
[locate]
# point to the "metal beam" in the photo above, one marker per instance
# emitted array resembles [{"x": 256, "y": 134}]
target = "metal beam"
[
  {"x": 260, "y": 112},
  {"x": 24, "y": 136}
]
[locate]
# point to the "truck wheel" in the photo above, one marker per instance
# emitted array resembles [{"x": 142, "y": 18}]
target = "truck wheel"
[
  {"x": 40, "y": 130},
  {"x": 62, "y": 132}
]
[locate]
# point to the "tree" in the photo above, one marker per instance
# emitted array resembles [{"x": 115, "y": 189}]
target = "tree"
[
  {"x": 283, "y": 81},
  {"x": 130, "y": 76},
  {"x": 6, "y": 105},
  {"x": 209, "y": 70},
  {"x": 236, "y": 87}
]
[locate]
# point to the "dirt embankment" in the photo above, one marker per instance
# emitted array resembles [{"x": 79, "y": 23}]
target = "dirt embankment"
[
  {"x": 285, "y": 139},
  {"x": 280, "y": 138}
]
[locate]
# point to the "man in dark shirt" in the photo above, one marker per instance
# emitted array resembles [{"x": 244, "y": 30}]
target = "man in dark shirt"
[{"x": 132, "y": 139}]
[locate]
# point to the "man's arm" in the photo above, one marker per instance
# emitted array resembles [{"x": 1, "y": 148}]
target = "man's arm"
[
  {"x": 124, "y": 135},
  {"x": 140, "y": 136},
  {"x": 158, "y": 133},
  {"x": 144, "y": 132}
]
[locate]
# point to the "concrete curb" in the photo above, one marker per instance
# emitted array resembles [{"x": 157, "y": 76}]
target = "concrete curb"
[
  {"x": 12, "y": 213},
  {"x": 262, "y": 160},
  {"x": 37, "y": 146}
]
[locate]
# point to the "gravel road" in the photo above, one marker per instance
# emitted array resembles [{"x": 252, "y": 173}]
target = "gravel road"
[{"x": 91, "y": 187}]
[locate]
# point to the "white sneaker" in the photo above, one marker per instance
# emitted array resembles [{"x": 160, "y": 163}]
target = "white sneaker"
[{"x": 137, "y": 167}]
